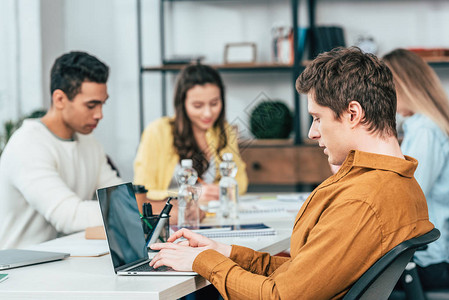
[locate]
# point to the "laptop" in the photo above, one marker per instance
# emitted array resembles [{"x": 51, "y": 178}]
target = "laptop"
[
  {"x": 14, "y": 258},
  {"x": 124, "y": 233}
]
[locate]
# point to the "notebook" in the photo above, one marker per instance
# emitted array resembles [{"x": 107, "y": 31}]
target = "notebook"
[
  {"x": 282, "y": 206},
  {"x": 14, "y": 258},
  {"x": 244, "y": 230},
  {"x": 124, "y": 233}
]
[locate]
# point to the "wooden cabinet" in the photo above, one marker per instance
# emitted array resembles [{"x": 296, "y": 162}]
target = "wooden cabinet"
[{"x": 275, "y": 163}]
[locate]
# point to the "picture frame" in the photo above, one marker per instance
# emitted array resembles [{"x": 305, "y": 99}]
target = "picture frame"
[{"x": 238, "y": 53}]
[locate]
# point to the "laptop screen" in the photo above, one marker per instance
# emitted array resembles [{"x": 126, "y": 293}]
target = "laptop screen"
[{"x": 122, "y": 224}]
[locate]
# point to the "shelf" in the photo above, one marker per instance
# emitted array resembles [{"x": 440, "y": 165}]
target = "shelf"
[
  {"x": 191, "y": 0},
  {"x": 261, "y": 143},
  {"x": 433, "y": 61},
  {"x": 437, "y": 61},
  {"x": 225, "y": 67}
]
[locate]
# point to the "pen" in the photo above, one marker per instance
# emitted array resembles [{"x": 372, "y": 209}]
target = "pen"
[
  {"x": 147, "y": 210},
  {"x": 148, "y": 224},
  {"x": 162, "y": 220},
  {"x": 146, "y": 221}
]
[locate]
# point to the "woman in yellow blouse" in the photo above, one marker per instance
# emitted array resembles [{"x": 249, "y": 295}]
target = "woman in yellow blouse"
[{"x": 198, "y": 131}]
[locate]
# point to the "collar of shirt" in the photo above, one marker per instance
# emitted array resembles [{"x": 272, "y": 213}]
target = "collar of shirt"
[{"x": 404, "y": 167}]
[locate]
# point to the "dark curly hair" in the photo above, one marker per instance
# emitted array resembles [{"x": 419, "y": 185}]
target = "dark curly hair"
[{"x": 184, "y": 139}]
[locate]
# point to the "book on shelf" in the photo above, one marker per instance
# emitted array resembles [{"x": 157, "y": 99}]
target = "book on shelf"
[
  {"x": 323, "y": 38},
  {"x": 242, "y": 230},
  {"x": 326, "y": 38},
  {"x": 302, "y": 41}
]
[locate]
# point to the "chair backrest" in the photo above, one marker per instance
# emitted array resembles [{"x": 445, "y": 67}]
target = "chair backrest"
[{"x": 379, "y": 280}]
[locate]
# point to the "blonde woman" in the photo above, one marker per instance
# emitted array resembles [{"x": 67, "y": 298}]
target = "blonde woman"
[{"x": 423, "y": 102}]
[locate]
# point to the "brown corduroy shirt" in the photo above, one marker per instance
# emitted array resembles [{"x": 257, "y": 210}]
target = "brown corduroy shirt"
[{"x": 353, "y": 218}]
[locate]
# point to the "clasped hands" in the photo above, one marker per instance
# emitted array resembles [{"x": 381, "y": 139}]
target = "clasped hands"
[{"x": 180, "y": 256}]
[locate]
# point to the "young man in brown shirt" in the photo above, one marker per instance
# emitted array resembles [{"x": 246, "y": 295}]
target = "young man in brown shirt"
[{"x": 353, "y": 218}]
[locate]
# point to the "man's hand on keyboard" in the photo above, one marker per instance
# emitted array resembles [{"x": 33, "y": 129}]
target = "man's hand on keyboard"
[{"x": 181, "y": 256}]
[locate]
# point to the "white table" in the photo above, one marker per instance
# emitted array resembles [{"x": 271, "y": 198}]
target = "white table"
[{"x": 94, "y": 277}]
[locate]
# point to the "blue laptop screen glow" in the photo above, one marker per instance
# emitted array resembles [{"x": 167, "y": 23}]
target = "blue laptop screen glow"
[{"x": 122, "y": 224}]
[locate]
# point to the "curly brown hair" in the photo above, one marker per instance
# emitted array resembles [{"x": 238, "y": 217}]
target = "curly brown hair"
[
  {"x": 184, "y": 139},
  {"x": 342, "y": 75}
]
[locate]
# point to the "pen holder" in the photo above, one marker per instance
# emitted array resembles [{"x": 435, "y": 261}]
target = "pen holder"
[{"x": 149, "y": 223}]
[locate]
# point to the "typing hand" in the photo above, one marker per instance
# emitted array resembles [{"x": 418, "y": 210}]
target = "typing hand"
[
  {"x": 181, "y": 256},
  {"x": 195, "y": 240},
  {"x": 176, "y": 256},
  {"x": 192, "y": 239}
]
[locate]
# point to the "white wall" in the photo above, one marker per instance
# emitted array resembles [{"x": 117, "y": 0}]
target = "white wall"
[
  {"x": 107, "y": 29},
  {"x": 52, "y": 37},
  {"x": 398, "y": 23},
  {"x": 20, "y": 58}
]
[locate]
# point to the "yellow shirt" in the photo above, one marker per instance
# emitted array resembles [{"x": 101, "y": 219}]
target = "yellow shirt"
[
  {"x": 157, "y": 158},
  {"x": 372, "y": 204}
]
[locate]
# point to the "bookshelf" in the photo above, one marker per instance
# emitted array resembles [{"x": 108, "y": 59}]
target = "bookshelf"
[
  {"x": 250, "y": 67},
  {"x": 293, "y": 69},
  {"x": 433, "y": 61}
]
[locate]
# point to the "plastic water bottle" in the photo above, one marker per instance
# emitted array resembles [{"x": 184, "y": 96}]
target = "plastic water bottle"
[
  {"x": 188, "y": 209},
  {"x": 229, "y": 190}
]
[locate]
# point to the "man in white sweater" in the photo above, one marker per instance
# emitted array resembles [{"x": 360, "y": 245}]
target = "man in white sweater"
[{"x": 51, "y": 167}]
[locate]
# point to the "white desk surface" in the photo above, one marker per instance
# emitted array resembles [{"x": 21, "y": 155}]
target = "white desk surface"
[{"x": 94, "y": 277}]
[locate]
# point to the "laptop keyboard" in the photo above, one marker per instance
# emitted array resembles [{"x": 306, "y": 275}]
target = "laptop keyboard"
[{"x": 147, "y": 268}]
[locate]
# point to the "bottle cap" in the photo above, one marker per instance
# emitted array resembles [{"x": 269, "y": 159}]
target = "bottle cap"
[
  {"x": 186, "y": 163},
  {"x": 227, "y": 156}
]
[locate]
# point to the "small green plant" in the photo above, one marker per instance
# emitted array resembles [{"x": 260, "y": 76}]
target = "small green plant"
[
  {"x": 271, "y": 120},
  {"x": 10, "y": 126}
]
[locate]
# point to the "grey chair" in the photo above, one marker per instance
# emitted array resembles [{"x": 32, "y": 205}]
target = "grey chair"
[{"x": 379, "y": 280}]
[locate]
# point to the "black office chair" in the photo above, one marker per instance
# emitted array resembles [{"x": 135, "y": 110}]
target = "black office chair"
[
  {"x": 380, "y": 279},
  {"x": 412, "y": 289}
]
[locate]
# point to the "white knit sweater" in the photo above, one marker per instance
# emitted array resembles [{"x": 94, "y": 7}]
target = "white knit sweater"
[{"x": 47, "y": 185}]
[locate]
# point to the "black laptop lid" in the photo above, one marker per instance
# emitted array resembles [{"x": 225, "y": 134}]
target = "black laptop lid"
[{"x": 122, "y": 224}]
